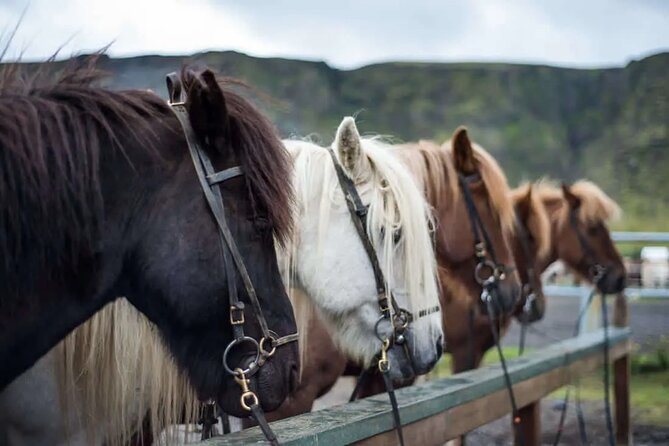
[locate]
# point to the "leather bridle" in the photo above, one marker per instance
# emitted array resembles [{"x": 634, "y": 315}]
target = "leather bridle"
[
  {"x": 399, "y": 317},
  {"x": 531, "y": 286},
  {"x": 484, "y": 251},
  {"x": 596, "y": 270},
  {"x": 209, "y": 179},
  {"x": 487, "y": 262}
]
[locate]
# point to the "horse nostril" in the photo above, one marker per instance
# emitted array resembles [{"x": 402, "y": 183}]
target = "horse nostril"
[{"x": 440, "y": 347}]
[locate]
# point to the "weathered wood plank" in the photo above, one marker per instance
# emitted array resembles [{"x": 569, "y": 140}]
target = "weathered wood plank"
[
  {"x": 459, "y": 420},
  {"x": 443, "y": 408},
  {"x": 529, "y": 429}
]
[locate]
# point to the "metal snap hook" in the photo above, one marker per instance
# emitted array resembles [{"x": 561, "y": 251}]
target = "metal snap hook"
[
  {"x": 252, "y": 366},
  {"x": 384, "y": 363}
]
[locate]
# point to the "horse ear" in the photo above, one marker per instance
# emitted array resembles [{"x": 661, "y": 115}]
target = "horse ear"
[
  {"x": 573, "y": 200},
  {"x": 463, "y": 152},
  {"x": 524, "y": 205},
  {"x": 207, "y": 111},
  {"x": 348, "y": 145}
]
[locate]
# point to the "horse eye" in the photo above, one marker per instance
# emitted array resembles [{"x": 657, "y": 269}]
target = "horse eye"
[
  {"x": 593, "y": 230},
  {"x": 262, "y": 224},
  {"x": 397, "y": 236}
]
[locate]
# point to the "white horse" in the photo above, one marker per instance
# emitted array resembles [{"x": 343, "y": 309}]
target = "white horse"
[{"x": 108, "y": 387}]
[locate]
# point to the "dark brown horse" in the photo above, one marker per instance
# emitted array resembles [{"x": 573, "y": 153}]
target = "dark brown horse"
[{"x": 100, "y": 199}]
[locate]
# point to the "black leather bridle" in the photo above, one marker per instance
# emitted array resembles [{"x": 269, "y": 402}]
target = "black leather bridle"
[
  {"x": 531, "y": 286},
  {"x": 596, "y": 270},
  {"x": 270, "y": 341},
  {"x": 484, "y": 251},
  {"x": 487, "y": 262},
  {"x": 399, "y": 317}
]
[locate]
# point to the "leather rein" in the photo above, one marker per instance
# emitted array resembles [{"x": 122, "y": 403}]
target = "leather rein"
[
  {"x": 399, "y": 317},
  {"x": 487, "y": 262},
  {"x": 210, "y": 182}
]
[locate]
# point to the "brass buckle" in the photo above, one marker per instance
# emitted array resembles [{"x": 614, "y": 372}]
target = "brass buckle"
[
  {"x": 480, "y": 250},
  {"x": 236, "y": 320},
  {"x": 383, "y": 302}
]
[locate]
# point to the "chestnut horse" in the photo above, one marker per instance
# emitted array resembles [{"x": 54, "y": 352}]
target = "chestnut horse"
[{"x": 581, "y": 239}]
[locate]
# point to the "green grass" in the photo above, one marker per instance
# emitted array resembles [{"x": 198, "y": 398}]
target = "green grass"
[
  {"x": 649, "y": 384},
  {"x": 649, "y": 397},
  {"x": 443, "y": 367}
]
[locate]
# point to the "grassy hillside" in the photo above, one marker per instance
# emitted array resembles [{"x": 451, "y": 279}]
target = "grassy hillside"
[{"x": 610, "y": 125}]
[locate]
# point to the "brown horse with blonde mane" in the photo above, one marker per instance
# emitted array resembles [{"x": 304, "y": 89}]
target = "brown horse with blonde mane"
[
  {"x": 439, "y": 169},
  {"x": 579, "y": 214}
]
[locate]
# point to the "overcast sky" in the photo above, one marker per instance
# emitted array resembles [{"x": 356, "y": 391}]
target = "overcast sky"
[{"x": 348, "y": 33}]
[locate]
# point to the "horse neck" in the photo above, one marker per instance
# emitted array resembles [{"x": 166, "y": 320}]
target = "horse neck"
[
  {"x": 39, "y": 313},
  {"x": 32, "y": 331}
]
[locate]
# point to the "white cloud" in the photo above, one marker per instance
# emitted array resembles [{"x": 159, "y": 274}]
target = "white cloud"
[{"x": 350, "y": 33}]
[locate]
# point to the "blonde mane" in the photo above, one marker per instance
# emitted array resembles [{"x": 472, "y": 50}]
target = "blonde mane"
[
  {"x": 396, "y": 204},
  {"x": 538, "y": 224},
  {"x": 434, "y": 167},
  {"x": 496, "y": 184},
  {"x": 434, "y": 170},
  {"x": 595, "y": 206},
  {"x": 114, "y": 368}
]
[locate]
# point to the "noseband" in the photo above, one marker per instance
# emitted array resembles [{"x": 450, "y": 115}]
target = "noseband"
[
  {"x": 270, "y": 341},
  {"x": 399, "y": 317},
  {"x": 484, "y": 251}
]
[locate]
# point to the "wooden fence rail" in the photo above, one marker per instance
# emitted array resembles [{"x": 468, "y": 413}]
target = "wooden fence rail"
[{"x": 443, "y": 409}]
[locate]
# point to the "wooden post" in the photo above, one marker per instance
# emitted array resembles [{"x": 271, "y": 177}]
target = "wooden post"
[
  {"x": 528, "y": 432},
  {"x": 621, "y": 377}
]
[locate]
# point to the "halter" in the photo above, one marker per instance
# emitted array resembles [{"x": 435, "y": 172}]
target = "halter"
[
  {"x": 266, "y": 347},
  {"x": 399, "y": 318},
  {"x": 596, "y": 270},
  {"x": 486, "y": 260},
  {"x": 489, "y": 285},
  {"x": 531, "y": 286}
]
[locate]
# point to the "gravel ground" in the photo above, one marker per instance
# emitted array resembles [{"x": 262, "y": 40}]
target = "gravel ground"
[{"x": 649, "y": 321}]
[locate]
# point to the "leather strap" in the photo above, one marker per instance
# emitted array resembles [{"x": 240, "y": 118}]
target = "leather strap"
[
  {"x": 208, "y": 177},
  {"x": 595, "y": 269},
  {"x": 359, "y": 213},
  {"x": 224, "y": 175},
  {"x": 393, "y": 404},
  {"x": 259, "y": 416}
]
